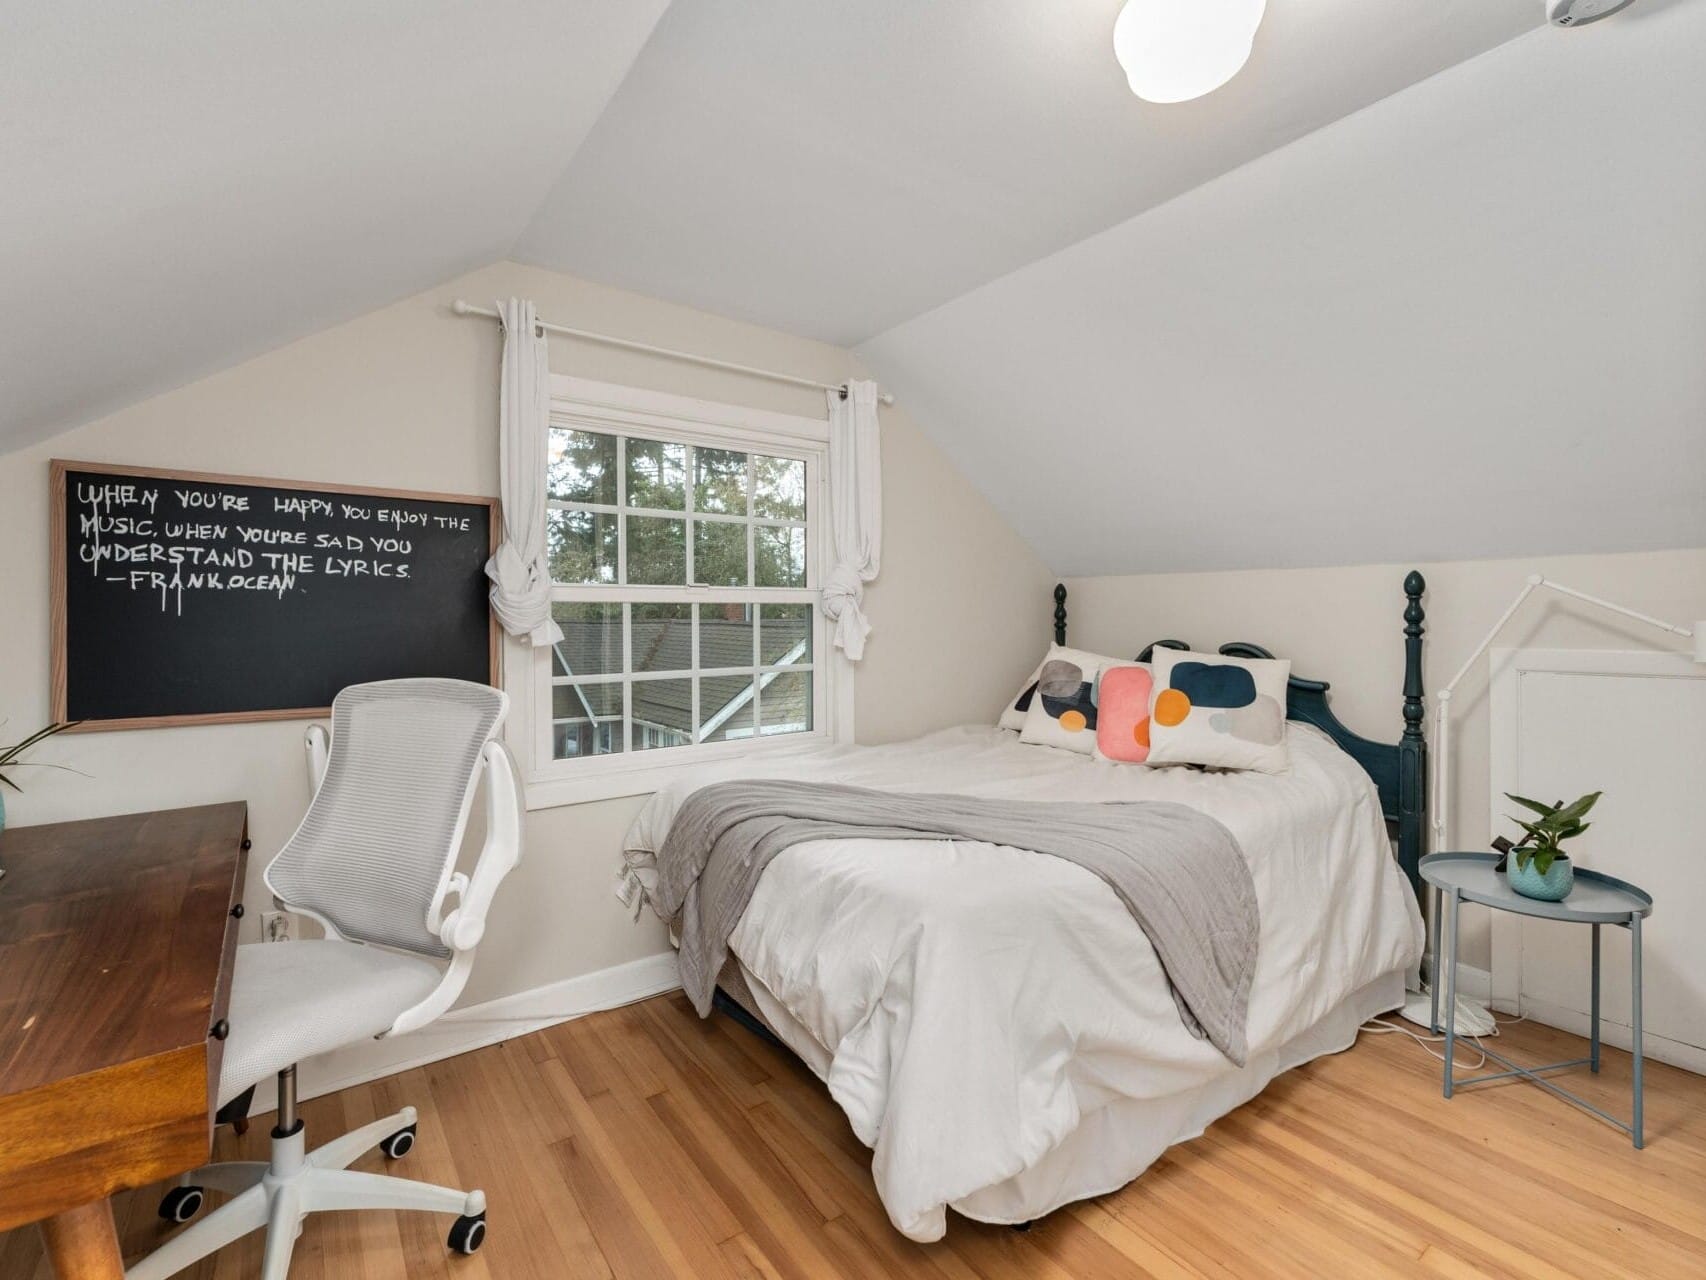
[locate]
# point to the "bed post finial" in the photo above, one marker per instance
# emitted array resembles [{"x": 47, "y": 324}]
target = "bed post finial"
[
  {"x": 1414, "y": 616},
  {"x": 1413, "y": 747},
  {"x": 1060, "y": 613}
]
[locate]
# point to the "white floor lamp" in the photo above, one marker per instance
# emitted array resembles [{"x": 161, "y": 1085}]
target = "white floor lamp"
[{"x": 1442, "y": 699}]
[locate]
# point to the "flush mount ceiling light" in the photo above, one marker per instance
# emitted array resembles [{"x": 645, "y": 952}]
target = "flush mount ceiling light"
[{"x": 1176, "y": 50}]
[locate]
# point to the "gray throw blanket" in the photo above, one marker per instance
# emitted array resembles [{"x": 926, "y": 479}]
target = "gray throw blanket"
[{"x": 1179, "y": 873}]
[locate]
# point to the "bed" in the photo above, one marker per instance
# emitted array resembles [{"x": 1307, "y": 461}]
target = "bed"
[{"x": 994, "y": 1026}]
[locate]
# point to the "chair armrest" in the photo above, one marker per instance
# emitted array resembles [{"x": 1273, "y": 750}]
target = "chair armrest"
[
  {"x": 464, "y": 926},
  {"x": 318, "y": 743}
]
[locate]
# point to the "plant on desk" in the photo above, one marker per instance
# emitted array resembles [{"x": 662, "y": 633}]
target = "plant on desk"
[
  {"x": 12, "y": 759},
  {"x": 1538, "y": 867}
]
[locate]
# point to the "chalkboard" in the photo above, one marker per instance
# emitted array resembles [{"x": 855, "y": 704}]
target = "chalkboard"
[{"x": 183, "y": 598}]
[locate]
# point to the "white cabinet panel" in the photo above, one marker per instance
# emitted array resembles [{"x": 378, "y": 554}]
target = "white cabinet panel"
[{"x": 1634, "y": 726}]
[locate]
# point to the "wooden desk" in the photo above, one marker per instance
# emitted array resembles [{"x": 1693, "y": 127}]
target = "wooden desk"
[{"x": 117, "y": 939}]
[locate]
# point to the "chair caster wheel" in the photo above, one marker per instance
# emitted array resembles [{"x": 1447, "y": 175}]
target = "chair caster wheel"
[
  {"x": 467, "y": 1233},
  {"x": 399, "y": 1144},
  {"x": 180, "y": 1204}
]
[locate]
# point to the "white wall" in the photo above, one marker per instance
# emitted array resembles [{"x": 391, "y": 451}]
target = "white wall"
[
  {"x": 1345, "y": 626},
  {"x": 406, "y": 397}
]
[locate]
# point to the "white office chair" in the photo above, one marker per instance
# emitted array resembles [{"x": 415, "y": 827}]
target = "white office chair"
[{"x": 373, "y": 863}]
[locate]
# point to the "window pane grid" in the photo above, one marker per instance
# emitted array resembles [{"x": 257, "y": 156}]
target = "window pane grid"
[
  {"x": 649, "y": 504},
  {"x": 622, "y": 521},
  {"x": 658, "y": 542},
  {"x": 641, "y": 677},
  {"x": 751, "y": 546},
  {"x": 664, "y": 594},
  {"x": 698, "y": 720},
  {"x": 627, "y": 655},
  {"x": 690, "y": 506},
  {"x": 664, "y": 513}
]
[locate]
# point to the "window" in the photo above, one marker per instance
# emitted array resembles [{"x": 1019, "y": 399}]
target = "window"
[{"x": 684, "y": 542}]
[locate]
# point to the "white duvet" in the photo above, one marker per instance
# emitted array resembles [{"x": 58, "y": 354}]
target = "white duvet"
[{"x": 994, "y": 1023}]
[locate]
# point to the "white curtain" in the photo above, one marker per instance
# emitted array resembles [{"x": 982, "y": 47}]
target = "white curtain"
[
  {"x": 856, "y": 512},
  {"x": 519, "y": 570}
]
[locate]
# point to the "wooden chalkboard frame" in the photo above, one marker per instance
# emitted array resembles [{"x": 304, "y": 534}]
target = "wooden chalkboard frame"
[{"x": 60, "y": 676}]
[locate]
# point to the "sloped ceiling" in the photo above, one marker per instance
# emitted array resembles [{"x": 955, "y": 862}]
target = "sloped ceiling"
[
  {"x": 184, "y": 184},
  {"x": 1423, "y": 280},
  {"x": 831, "y": 169},
  {"x": 1468, "y": 321}
]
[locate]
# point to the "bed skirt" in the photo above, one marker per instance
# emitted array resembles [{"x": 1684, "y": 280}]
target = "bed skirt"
[{"x": 1116, "y": 1143}]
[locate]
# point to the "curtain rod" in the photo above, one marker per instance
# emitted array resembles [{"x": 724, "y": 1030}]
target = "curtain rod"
[{"x": 464, "y": 308}]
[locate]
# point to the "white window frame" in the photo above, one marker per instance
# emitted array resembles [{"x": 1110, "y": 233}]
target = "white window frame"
[{"x": 655, "y": 415}]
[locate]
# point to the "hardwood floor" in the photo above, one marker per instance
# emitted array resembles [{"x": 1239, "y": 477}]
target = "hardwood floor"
[{"x": 644, "y": 1143}]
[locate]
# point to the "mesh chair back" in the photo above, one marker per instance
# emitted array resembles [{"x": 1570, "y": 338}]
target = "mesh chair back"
[{"x": 383, "y": 827}]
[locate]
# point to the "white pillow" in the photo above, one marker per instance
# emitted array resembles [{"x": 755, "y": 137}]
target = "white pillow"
[
  {"x": 1063, "y": 705},
  {"x": 1227, "y": 713},
  {"x": 1013, "y": 714}
]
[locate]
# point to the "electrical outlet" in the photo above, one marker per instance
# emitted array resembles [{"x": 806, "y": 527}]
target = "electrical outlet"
[{"x": 277, "y": 926}]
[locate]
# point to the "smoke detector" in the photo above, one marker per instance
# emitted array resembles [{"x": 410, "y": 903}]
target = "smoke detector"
[{"x": 1578, "y": 13}]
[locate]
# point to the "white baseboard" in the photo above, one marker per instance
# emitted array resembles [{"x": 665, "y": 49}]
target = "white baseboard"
[
  {"x": 1619, "y": 1035},
  {"x": 477, "y": 1026},
  {"x": 1477, "y": 984}
]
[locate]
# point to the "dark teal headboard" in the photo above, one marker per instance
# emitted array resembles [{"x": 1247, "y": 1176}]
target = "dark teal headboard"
[{"x": 1399, "y": 770}]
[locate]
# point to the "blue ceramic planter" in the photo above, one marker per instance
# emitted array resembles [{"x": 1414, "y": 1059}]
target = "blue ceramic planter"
[{"x": 1554, "y": 886}]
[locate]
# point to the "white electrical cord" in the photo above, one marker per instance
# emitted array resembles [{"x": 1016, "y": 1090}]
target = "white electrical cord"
[{"x": 1380, "y": 1027}]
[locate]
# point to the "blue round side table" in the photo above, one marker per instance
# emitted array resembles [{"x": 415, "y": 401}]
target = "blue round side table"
[{"x": 1596, "y": 900}]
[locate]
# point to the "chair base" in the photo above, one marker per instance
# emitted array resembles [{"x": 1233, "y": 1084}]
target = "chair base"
[{"x": 282, "y": 1192}]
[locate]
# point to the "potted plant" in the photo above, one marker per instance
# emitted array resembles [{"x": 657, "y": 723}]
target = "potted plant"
[
  {"x": 12, "y": 758},
  {"x": 1537, "y": 867}
]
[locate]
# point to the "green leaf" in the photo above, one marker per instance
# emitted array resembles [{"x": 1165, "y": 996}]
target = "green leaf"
[
  {"x": 1555, "y": 823},
  {"x": 1541, "y": 809},
  {"x": 46, "y": 731},
  {"x": 9, "y": 755},
  {"x": 10, "y": 783},
  {"x": 1543, "y": 859}
]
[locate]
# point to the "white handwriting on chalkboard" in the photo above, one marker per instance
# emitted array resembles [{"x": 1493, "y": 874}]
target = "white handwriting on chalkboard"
[
  {"x": 93, "y": 527},
  {"x": 159, "y": 552},
  {"x": 337, "y": 568},
  {"x": 191, "y": 499},
  {"x": 174, "y": 584},
  {"x": 101, "y": 497},
  {"x": 304, "y": 507},
  {"x": 148, "y": 539}
]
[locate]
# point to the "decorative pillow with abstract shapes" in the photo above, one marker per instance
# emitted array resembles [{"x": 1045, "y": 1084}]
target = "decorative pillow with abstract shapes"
[
  {"x": 1013, "y": 715},
  {"x": 1227, "y": 713},
  {"x": 1122, "y": 712},
  {"x": 1063, "y": 707}
]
